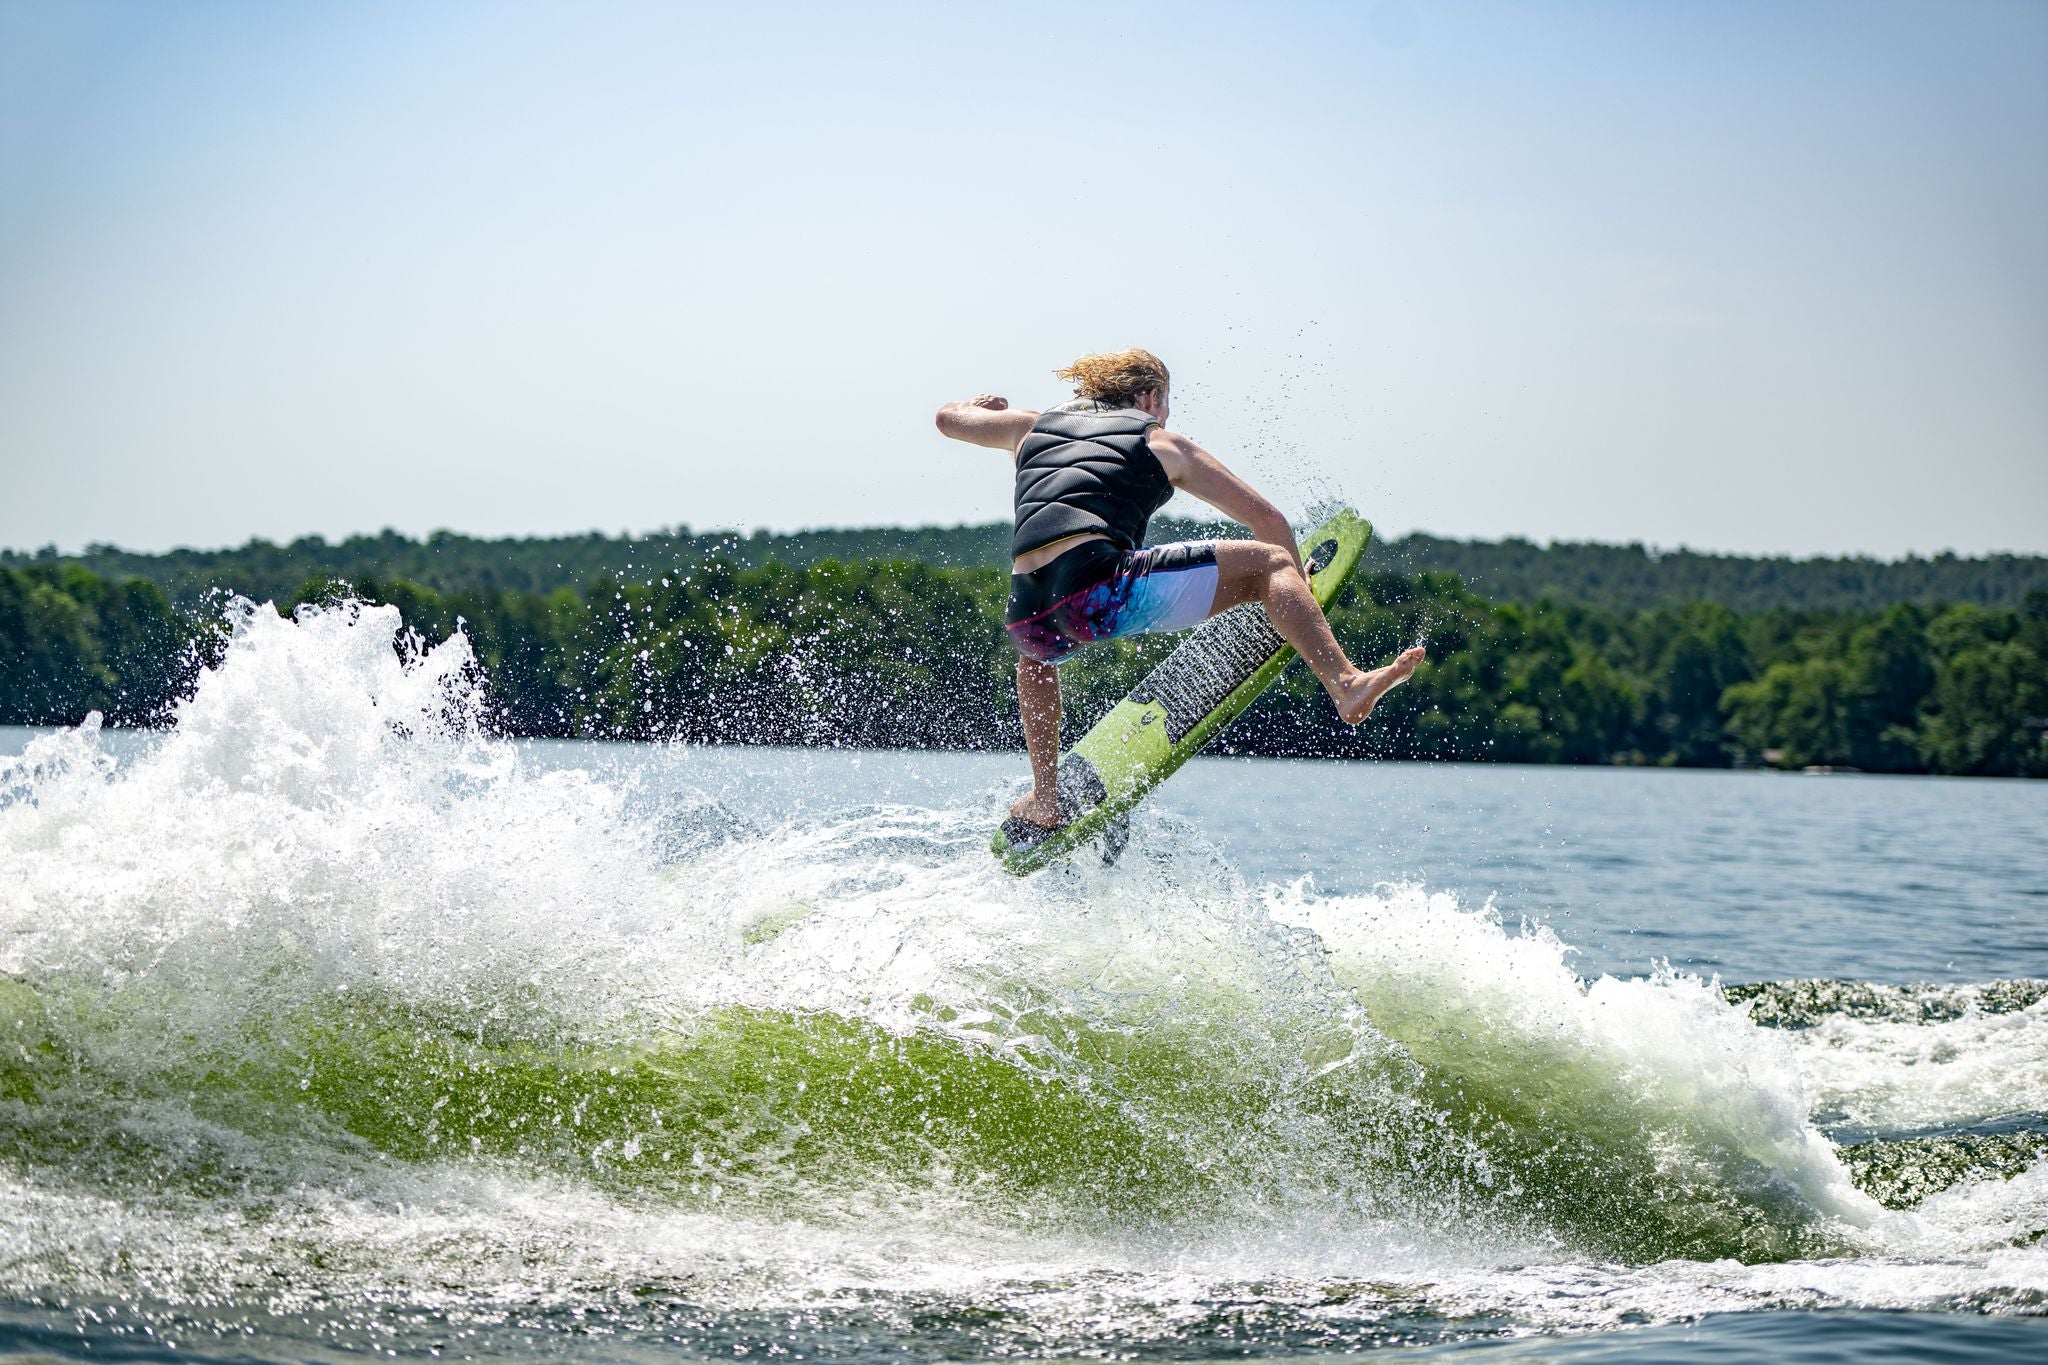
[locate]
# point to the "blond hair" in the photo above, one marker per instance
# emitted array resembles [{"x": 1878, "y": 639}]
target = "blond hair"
[{"x": 1116, "y": 376}]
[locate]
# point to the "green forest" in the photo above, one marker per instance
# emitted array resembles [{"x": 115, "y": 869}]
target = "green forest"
[
  {"x": 1624, "y": 578},
  {"x": 1928, "y": 666}
]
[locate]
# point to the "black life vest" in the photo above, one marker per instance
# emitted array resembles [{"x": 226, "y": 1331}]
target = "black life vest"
[{"x": 1085, "y": 468}]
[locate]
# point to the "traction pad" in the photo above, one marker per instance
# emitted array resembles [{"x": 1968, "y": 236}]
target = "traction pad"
[
  {"x": 1079, "y": 791},
  {"x": 1224, "y": 651},
  {"x": 1194, "y": 679}
]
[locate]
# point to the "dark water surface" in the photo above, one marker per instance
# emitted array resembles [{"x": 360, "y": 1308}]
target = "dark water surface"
[
  {"x": 328, "y": 1026},
  {"x": 1880, "y": 878}
]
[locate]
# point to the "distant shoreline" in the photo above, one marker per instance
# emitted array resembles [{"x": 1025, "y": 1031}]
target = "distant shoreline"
[{"x": 1621, "y": 577}]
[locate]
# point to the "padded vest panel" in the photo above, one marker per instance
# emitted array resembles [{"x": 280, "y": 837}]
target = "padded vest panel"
[{"x": 1085, "y": 468}]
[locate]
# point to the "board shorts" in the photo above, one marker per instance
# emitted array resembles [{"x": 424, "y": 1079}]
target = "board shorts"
[{"x": 1097, "y": 591}]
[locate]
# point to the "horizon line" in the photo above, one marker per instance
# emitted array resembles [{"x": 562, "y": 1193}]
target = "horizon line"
[{"x": 682, "y": 530}]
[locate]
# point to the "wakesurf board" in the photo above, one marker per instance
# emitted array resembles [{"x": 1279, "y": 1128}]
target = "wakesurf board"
[{"x": 1179, "y": 707}]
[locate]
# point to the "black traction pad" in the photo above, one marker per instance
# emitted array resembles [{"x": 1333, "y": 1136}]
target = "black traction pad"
[
  {"x": 1193, "y": 680},
  {"x": 1080, "y": 790}
]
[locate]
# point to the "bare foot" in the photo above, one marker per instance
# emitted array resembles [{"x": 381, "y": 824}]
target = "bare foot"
[
  {"x": 1357, "y": 694},
  {"x": 1043, "y": 813}
]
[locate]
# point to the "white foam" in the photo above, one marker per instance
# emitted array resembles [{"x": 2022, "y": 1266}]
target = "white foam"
[
  {"x": 1667, "y": 1054},
  {"x": 1889, "y": 1076},
  {"x": 326, "y": 817}
]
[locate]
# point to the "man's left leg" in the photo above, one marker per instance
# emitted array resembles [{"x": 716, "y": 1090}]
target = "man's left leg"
[{"x": 1038, "y": 704}]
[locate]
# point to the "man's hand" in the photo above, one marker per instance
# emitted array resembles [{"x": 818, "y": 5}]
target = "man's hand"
[{"x": 990, "y": 401}]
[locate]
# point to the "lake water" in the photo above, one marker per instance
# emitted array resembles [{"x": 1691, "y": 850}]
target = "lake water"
[{"x": 329, "y": 1026}]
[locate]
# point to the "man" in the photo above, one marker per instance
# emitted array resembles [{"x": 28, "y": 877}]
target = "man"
[{"x": 1090, "y": 474}]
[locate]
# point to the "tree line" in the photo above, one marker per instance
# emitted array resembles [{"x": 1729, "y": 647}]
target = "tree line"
[
  {"x": 1623, "y": 578},
  {"x": 899, "y": 653}
]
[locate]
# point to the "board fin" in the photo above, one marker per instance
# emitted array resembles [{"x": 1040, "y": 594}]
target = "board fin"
[{"x": 1115, "y": 837}]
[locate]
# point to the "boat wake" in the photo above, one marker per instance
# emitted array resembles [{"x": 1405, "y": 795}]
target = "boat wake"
[{"x": 327, "y": 995}]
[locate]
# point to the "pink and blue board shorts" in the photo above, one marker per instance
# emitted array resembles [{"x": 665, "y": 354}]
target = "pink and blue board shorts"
[{"x": 1097, "y": 591}]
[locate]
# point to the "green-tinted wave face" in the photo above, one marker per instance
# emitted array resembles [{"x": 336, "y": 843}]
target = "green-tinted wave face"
[
  {"x": 745, "y": 1108},
  {"x": 743, "y": 1105},
  {"x": 327, "y": 980}
]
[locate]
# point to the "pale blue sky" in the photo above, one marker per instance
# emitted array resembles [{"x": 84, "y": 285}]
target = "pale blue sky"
[{"x": 1762, "y": 277}]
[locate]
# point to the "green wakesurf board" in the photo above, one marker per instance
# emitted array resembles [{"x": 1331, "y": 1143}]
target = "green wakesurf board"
[{"x": 1179, "y": 707}]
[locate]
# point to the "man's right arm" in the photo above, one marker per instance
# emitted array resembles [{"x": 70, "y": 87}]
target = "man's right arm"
[
  {"x": 1195, "y": 471},
  {"x": 986, "y": 420}
]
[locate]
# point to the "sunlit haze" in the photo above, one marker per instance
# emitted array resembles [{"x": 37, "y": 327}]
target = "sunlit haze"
[{"x": 1766, "y": 277}]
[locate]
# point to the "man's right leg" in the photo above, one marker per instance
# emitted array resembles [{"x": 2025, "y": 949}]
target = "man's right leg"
[
  {"x": 1038, "y": 702},
  {"x": 1253, "y": 571}
]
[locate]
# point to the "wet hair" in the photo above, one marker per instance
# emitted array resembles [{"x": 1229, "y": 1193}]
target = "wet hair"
[{"x": 1116, "y": 377}]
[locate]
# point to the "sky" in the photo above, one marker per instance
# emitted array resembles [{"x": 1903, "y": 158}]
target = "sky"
[{"x": 1756, "y": 277}]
